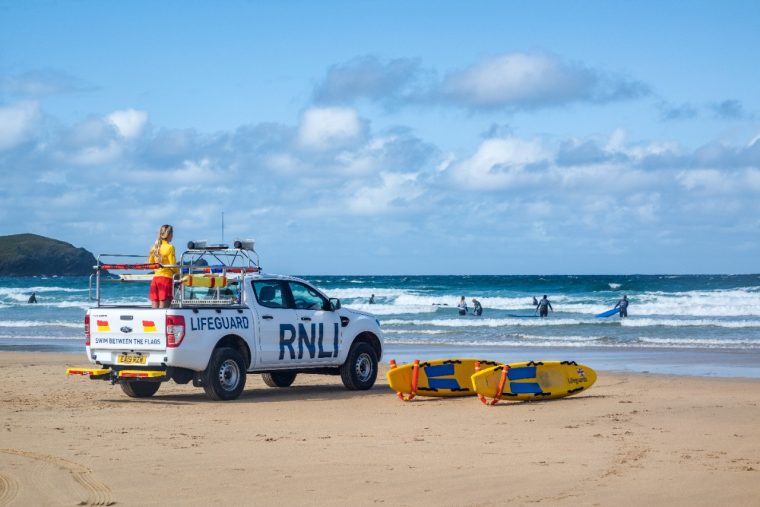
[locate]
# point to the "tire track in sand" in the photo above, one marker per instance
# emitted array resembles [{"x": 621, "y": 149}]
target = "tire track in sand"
[
  {"x": 8, "y": 489},
  {"x": 97, "y": 492}
]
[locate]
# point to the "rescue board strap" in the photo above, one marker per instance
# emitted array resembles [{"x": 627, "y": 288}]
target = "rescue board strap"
[
  {"x": 152, "y": 265},
  {"x": 94, "y": 372},
  {"x": 499, "y": 390},
  {"x": 415, "y": 378}
]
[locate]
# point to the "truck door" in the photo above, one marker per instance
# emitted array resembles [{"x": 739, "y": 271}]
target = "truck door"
[
  {"x": 277, "y": 323},
  {"x": 318, "y": 327}
]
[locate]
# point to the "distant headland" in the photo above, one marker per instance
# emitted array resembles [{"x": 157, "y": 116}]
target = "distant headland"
[{"x": 31, "y": 255}]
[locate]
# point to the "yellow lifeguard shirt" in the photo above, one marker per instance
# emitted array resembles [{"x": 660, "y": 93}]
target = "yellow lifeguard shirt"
[{"x": 167, "y": 258}]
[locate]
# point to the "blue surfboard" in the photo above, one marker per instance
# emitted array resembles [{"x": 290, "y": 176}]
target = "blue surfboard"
[
  {"x": 608, "y": 313},
  {"x": 522, "y": 316}
]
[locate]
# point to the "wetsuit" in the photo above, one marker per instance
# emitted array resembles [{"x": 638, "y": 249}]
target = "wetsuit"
[
  {"x": 462, "y": 308},
  {"x": 543, "y": 307},
  {"x": 478, "y": 309},
  {"x": 623, "y": 305}
]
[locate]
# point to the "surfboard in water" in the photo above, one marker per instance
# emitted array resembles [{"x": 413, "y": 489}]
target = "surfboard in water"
[
  {"x": 607, "y": 313},
  {"x": 439, "y": 377},
  {"x": 535, "y": 380},
  {"x": 516, "y": 316}
]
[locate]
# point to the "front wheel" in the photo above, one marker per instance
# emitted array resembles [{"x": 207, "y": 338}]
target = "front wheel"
[
  {"x": 139, "y": 389},
  {"x": 279, "y": 378},
  {"x": 224, "y": 379},
  {"x": 360, "y": 369}
]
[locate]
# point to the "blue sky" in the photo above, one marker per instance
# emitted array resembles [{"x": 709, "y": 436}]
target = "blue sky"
[{"x": 390, "y": 137}]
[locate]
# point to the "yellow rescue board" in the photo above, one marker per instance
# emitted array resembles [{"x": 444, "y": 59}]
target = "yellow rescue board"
[
  {"x": 204, "y": 281},
  {"x": 439, "y": 377},
  {"x": 535, "y": 380}
]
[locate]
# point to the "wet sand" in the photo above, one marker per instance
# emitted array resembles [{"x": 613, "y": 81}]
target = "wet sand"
[{"x": 632, "y": 438}]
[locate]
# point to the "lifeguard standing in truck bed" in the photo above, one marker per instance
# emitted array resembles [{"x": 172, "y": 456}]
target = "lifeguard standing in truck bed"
[{"x": 162, "y": 285}]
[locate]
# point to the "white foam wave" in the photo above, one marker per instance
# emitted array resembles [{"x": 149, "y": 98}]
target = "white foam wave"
[
  {"x": 460, "y": 323},
  {"x": 416, "y": 331},
  {"x": 381, "y": 309},
  {"x": 40, "y": 323},
  {"x": 21, "y": 294},
  {"x": 665, "y": 344},
  {"x": 363, "y": 293},
  {"x": 614, "y": 285},
  {"x": 637, "y": 322},
  {"x": 699, "y": 341}
]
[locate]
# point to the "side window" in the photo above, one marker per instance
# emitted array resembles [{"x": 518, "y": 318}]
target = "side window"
[
  {"x": 270, "y": 293},
  {"x": 306, "y": 298}
]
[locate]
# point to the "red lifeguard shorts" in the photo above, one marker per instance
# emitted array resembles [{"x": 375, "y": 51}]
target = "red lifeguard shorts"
[{"x": 161, "y": 288}]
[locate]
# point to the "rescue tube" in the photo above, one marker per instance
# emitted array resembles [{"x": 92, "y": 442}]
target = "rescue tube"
[{"x": 204, "y": 281}]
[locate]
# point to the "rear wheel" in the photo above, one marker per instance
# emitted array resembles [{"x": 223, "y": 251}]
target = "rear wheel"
[
  {"x": 139, "y": 389},
  {"x": 360, "y": 369},
  {"x": 279, "y": 378},
  {"x": 224, "y": 379}
]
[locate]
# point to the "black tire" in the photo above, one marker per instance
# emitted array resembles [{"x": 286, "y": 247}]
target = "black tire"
[
  {"x": 139, "y": 389},
  {"x": 224, "y": 378},
  {"x": 360, "y": 369},
  {"x": 279, "y": 378}
]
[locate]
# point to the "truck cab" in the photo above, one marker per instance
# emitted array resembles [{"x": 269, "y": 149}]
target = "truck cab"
[{"x": 228, "y": 319}]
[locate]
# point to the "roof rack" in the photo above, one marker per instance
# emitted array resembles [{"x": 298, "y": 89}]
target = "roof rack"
[{"x": 210, "y": 264}]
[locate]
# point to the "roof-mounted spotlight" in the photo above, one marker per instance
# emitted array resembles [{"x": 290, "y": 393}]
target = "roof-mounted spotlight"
[
  {"x": 197, "y": 244},
  {"x": 244, "y": 244}
]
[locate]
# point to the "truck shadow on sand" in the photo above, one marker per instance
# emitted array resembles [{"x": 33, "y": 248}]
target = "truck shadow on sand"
[{"x": 262, "y": 395}]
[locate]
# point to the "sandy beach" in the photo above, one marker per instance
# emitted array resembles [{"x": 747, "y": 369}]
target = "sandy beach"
[{"x": 632, "y": 438}]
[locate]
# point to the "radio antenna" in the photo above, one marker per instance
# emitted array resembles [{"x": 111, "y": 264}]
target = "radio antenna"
[{"x": 222, "y": 227}]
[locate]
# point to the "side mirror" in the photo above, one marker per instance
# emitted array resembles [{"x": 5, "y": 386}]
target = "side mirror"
[{"x": 335, "y": 303}]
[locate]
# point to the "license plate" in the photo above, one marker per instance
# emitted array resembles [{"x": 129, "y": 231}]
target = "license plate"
[{"x": 126, "y": 359}]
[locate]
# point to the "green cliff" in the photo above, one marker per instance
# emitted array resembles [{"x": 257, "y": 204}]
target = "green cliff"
[{"x": 30, "y": 255}]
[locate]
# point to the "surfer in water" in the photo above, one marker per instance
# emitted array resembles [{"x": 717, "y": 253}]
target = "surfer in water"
[
  {"x": 544, "y": 306},
  {"x": 477, "y": 309},
  {"x": 32, "y": 298},
  {"x": 372, "y": 299},
  {"x": 462, "y": 306},
  {"x": 623, "y": 305}
]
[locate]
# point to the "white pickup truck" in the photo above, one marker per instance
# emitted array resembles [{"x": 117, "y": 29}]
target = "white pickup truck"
[{"x": 228, "y": 319}]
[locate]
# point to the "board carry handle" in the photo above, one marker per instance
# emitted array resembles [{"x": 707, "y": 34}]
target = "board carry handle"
[
  {"x": 499, "y": 391},
  {"x": 415, "y": 377}
]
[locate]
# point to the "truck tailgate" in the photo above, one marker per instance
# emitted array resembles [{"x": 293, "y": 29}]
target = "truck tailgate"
[{"x": 126, "y": 329}]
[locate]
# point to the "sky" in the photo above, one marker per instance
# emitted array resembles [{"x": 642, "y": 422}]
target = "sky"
[{"x": 394, "y": 137}]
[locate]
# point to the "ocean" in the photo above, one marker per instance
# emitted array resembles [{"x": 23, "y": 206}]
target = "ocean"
[{"x": 707, "y": 325}]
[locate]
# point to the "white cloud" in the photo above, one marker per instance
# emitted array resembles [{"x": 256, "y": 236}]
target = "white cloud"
[
  {"x": 329, "y": 127},
  {"x": 129, "y": 123},
  {"x": 16, "y": 123},
  {"x": 511, "y": 80},
  {"x": 96, "y": 155},
  {"x": 708, "y": 180},
  {"x": 396, "y": 190},
  {"x": 518, "y": 78},
  {"x": 499, "y": 163}
]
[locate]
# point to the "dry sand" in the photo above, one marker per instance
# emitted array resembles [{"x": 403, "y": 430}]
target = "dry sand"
[{"x": 659, "y": 440}]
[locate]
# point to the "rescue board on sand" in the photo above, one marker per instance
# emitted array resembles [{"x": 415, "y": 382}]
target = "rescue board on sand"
[
  {"x": 439, "y": 377},
  {"x": 534, "y": 380}
]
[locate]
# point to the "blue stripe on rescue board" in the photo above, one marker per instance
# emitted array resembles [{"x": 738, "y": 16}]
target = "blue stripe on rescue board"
[
  {"x": 521, "y": 373},
  {"x": 439, "y": 370},
  {"x": 443, "y": 383},
  {"x": 524, "y": 388}
]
